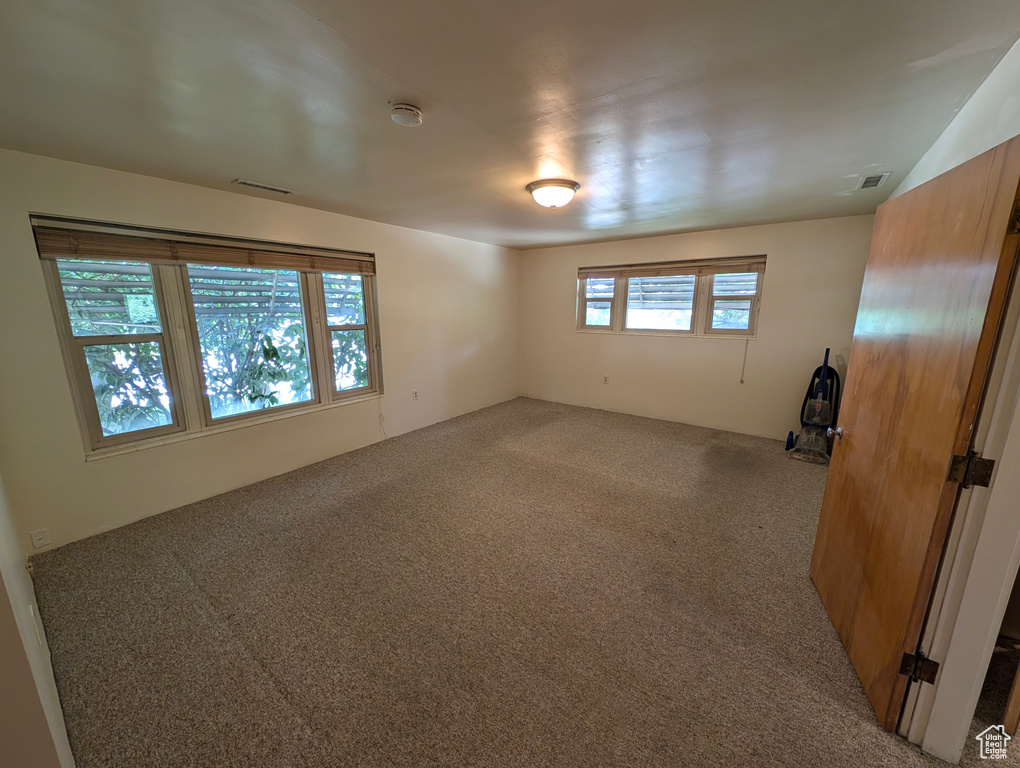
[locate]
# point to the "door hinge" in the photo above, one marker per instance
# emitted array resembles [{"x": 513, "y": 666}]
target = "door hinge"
[
  {"x": 1014, "y": 222},
  {"x": 919, "y": 668},
  {"x": 971, "y": 470}
]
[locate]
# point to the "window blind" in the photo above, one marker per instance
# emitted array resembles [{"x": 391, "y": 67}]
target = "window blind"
[
  {"x": 660, "y": 269},
  {"x": 672, "y": 292},
  {"x": 100, "y": 242},
  {"x": 735, "y": 284}
]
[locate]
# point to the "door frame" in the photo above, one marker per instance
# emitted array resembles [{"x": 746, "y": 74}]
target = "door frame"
[{"x": 979, "y": 566}]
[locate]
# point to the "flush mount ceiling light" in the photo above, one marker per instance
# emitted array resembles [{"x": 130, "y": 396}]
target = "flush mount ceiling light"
[{"x": 553, "y": 193}]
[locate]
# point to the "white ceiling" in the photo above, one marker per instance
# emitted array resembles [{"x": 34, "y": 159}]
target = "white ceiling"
[{"x": 672, "y": 115}]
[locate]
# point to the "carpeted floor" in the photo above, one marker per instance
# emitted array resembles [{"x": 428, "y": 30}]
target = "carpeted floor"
[
  {"x": 529, "y": 585},
  {"x": 994, "y": 696}
]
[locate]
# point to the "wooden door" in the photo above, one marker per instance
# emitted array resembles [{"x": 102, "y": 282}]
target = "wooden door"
[{"x": 933, "y": 295}]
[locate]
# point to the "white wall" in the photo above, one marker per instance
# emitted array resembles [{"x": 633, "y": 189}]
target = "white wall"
[
  {"x": 32, "y": 731},
  {"x": 448, "y": 325},
  {"x": 809, "y": 302},
  {"x": 990, "y": 117}
]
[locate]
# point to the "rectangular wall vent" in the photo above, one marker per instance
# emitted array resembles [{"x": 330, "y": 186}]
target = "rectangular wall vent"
[
  {"x": 265, "y": 187},
  {"x": 874, "y": 180}
]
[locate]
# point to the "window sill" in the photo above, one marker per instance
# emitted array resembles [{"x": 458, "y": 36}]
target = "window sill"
[
  {"x": 668, "y": 334},
  {"x": 180, "y": 437}
]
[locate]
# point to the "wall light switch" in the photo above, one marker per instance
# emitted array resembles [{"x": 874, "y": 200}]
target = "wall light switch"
[{"x": 40, "y": 538}]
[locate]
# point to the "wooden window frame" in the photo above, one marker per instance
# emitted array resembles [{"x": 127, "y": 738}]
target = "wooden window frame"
[
  {"x": 704, "y": 272},
  {"x": 180, "y": 346}
]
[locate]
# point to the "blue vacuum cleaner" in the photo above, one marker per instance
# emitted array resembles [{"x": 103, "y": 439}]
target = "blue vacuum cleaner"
[{"x": 819, "y": 412}]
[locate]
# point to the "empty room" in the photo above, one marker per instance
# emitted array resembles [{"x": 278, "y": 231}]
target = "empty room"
[{"x": 524, "y": 384}]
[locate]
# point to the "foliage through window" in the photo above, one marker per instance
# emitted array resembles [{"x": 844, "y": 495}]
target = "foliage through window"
[
  {"x": 345, "y": 319},
  {"x": 699, "y": 298},
  {"x": 118, "y": 333},
  {"x": 157, "y": 344},
  {"x": 251, "y": 330}
]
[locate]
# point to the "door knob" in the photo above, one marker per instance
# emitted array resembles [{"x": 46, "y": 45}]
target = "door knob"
[{"x": 836, "y": 433}]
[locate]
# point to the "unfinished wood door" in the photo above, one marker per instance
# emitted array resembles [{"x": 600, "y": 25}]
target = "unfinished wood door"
[{"x": 932, "y": 299}]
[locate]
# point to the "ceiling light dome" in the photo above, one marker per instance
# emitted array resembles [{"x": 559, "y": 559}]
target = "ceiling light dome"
[{"x": 553, "y": 193}]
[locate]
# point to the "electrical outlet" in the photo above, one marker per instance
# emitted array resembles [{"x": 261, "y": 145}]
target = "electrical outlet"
[
  {"x": 605, "y": 379},
  {"x": 40, "y": 538},
  {"x": 414, "y": 394}
]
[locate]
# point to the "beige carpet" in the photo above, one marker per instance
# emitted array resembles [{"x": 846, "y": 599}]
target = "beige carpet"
[{"x": 529, "y": 585}]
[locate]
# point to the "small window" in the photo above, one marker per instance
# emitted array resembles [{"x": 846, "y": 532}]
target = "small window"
[
  {"x": 598, "y": 302},
  {"x": 348, "y": 331},
  {"x": 703, "y": 298},
  {"x": 118, "y": 347},
  {"x": 732, "y": 296}
]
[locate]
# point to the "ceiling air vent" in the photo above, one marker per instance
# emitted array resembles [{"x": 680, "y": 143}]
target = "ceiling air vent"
[
  {"x": 874, "y": 180},
  {"x": 264, "y": 187}
]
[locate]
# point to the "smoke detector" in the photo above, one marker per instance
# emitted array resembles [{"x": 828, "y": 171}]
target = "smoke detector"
[{"x": 406, "y": 115}]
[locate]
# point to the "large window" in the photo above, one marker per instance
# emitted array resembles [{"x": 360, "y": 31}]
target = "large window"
[
  {"x": 660, "y": 303},
  {"x": 697, "y": 298},
  {"x": 171, "y": 333}
]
